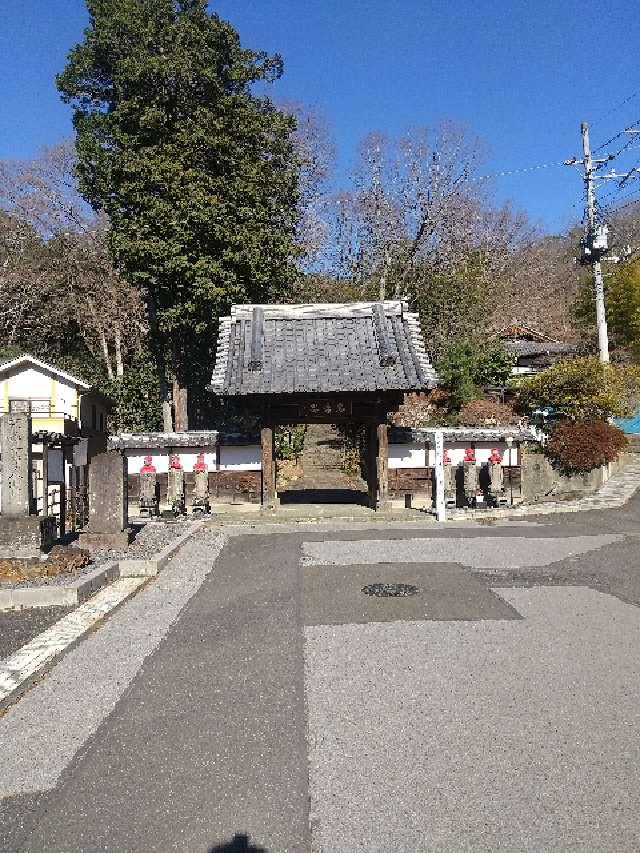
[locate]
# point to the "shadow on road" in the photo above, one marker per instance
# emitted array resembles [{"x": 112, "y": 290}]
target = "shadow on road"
[{"x": 238, "y": 844}]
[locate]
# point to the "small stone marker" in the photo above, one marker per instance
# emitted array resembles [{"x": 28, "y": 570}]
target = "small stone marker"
[{"x": 108, "y": 503}]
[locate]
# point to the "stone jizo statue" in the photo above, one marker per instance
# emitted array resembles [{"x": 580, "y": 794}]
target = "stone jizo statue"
[
  {"x": 201, "y": 487},
  {"x": 470, "y": 477},
  {"x": 496, "y": 477},
  {"x": 149, "y": 504},
  {"x": 175, "y": 485}
]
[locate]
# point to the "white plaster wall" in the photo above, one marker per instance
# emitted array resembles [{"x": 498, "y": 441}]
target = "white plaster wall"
[
  {"x": 66, "y": 398},
  {"x": 29, "y": 383},
  {"x": 243, "y": 458},
  {"x": 407, "y": 455},
  {"x": 456, "y": 450},
  {"x": 160, "y": 459},
  {"x": 413, "y": 456},
  {"x": 247, "y": 457},
  {"x": 33, "y": 384}
]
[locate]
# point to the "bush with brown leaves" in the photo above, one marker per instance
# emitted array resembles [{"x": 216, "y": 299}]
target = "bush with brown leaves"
[
  {"x": 578, "y": 447},
  {"x": 487, "y": 412}
]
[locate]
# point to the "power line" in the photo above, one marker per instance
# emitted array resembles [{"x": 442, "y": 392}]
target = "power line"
[
  {"x": 615, "y": 109},
  {"x": 617, "y": 136},
  {"x": 519, "y": 171}
]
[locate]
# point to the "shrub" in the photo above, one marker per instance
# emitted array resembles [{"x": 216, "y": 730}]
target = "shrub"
[
  {"x": 584, "y": 389},
  {"x": 466, "y": 367},
  {"x": 290, "y": 441},
  {"x": 581, "y": 446},
  {"x": 487, "y": 412}
]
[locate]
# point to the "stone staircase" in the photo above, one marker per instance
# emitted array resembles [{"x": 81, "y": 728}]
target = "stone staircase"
[{"x": 322, "y": 471}]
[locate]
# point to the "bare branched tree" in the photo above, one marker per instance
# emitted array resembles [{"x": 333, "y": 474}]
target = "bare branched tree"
[{"x": 54, "y": 264}]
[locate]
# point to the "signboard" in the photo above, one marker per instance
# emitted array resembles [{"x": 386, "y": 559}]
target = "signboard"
[
  {"x": 80, "y": 452},
  {"x": 55, "y": 467}
]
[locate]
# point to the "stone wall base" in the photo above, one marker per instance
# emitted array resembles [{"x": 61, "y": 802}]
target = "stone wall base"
[
  {"x": 26, "y": 536},
  {"x": 115, "y": 541},
  {"x": 542, "y": 482}
]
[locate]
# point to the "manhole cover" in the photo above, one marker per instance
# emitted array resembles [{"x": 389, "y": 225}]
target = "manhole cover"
[{"x": 390, "y": 590}]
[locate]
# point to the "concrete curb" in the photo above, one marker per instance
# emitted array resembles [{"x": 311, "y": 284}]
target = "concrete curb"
[
  {"x": 24, "y": 667},
  {"x": 63, "y": 595},
  {"x": 150, "y": 567}
]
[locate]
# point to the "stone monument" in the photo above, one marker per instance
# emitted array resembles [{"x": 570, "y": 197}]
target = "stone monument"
[
  {"x": 200, "y": 504},
  {"x": 108, "y": 504},
  {"x": 22, "y": 534},
  {"x": 149, "y": 503}
]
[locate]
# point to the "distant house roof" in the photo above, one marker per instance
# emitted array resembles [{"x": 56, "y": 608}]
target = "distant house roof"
[
  {"x": 515, "y": 331},
  {"x": 530, "y": 349},
  {"x": 287, "y": 349},
  {"x": 26, "y": 359}
]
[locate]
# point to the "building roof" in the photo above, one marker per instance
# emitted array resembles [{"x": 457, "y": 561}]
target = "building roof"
[
  {"x": 516, "y": 331},
  {"x": 6, "y": 366},
  {"x": 288, "y": 349},
  {"x": 192, "y": 438},
  {"x": 402, "y": 435},
  {"x": 529, "y": 349}
]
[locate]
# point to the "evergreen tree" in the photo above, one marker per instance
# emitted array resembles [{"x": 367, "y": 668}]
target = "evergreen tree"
[{"x": 197, "y": 173}]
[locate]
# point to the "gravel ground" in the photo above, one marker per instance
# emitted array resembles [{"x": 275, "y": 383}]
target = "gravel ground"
[
  {"x": 18, "y": 627},
  {"x": 150, "y": 538}
]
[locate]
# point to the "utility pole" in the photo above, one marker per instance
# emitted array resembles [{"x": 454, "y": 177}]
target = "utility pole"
[
  {"x": 595, "y": 243},
  {"x": 592, "y": 239}
]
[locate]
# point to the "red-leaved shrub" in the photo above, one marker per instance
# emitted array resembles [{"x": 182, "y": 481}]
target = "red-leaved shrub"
[{"x": 580, "y": 446}]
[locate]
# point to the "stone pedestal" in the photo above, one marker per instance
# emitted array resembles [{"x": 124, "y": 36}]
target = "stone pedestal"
[
  {"x": 108, "y": 506},
  {"x": 27, "y": 536}
]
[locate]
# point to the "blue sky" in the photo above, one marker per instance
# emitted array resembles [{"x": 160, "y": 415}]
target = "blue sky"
[{"x": 521, "y": 75}]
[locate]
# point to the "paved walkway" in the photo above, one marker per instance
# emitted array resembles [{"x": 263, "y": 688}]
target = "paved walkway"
[{"x": 256, "y": 699}]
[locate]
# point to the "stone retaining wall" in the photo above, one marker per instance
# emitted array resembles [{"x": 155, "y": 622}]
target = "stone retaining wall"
[{"x": 542, "y": 482}]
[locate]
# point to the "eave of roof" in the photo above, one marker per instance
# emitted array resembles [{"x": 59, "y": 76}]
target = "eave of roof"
[{"x": 22, "y": 359}]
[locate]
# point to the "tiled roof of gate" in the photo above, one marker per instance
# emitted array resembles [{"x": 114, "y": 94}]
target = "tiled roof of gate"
[{"x": 286, "y": 349}]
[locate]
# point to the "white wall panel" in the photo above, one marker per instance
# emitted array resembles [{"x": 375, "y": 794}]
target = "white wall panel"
[
  {"x": 246, "y": 457},
  {"x": 407, "y": 455}
]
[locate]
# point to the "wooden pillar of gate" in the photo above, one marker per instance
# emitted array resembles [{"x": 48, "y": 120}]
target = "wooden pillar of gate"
[
  {"x": 269, "y": 494},
  {"x": 372, "y": 465},
  {"x": 383, "y": 464}
]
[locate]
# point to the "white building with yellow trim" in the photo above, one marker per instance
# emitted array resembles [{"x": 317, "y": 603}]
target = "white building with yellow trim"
[{"x": 59, "y": 402}]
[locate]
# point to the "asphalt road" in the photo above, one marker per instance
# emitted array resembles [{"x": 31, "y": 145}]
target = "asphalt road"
[{"x": 273, "y": 706}]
